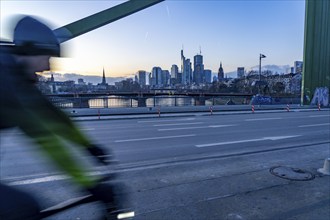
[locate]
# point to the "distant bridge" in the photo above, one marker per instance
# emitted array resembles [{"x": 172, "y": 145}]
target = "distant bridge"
[
  {"x": 153, "y": 99},
  {"x": 160, "y": 92},
  {"x": 144, "y": 99}
]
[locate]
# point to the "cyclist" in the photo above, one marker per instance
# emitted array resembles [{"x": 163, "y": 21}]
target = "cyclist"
[{"x": 23, "y": 106}]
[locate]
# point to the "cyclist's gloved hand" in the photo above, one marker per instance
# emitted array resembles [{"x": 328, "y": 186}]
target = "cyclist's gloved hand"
[
  {"x": 101, "y": 154},
  {"x": 112, "y": 195},
  {"x": 103, "y": 192}
]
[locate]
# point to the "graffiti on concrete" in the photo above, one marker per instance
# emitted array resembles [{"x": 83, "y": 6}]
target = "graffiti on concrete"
[
  {"x": 321, "y": 96},
  {"x": 261, "y": 100}
]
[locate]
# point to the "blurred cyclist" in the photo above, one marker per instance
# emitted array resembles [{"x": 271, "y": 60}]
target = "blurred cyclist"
[{"x": 23, "y": 106}]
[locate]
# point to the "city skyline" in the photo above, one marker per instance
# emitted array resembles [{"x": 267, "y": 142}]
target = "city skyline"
[{"x": 231, "y": 32}]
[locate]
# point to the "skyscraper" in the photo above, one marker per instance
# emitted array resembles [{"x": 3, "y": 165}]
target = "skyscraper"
[
  {"x": 156, "y": 77},
  {"x": 198, "y": 75},
  {"x": 221, "y": 74},
  {"x": 298, "y": 66},
  {"x": 174, "y": 74},
  {"x": 165, "y": 78},
  {"x": 174, "y": 71},
  {"x": 208, "y": 76},
  {"x": 186, "y": 70},
  {"x": 142, "y": 77}
]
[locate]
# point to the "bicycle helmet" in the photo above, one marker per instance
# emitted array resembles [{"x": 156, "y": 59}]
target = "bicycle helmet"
[{"x": 31, "y": 37}]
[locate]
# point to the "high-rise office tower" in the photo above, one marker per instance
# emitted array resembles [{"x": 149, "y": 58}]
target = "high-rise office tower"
[
  {"x": 165, "y": 78},
  {"x": 298, "y": 66},
  {"x": 221, "y": 74},
  {"x": 174, "y": 74},
  {"x": 186, "y": 70},
  {"x": 142, "y": 77},
  {"x": 156, "y": 77},
  {"x": 208, "y": 76},
  {"x": 198, "y": 75},
  {"x": 174, "y": 71}
]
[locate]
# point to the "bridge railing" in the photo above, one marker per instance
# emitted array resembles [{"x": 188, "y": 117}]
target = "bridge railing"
[{"x": 163, "y": 101}]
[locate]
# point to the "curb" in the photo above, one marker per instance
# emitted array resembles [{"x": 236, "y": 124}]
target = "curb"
[{"x": 181, "y": 114}]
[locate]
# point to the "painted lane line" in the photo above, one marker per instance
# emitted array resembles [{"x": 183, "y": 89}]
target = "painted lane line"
[
  {"x": 261, "y": 119},
  {"x": 87, "y": 129},
  {"x": 220, "y": 126},
  {"x": 155, "y": 138},
  {"x": 153, "y": 121},
  {"x": 39, "y": 180},
  {"x": 249, "y": 140},
  {"x": 190, "y": 128},
  {"x": 31, "y": 176},
  {"x": 316, "y": 116},
  {"x": 314, "y": 125},
  {"x": 192, "y": 123},
  {"x": 50, "y": 178}
]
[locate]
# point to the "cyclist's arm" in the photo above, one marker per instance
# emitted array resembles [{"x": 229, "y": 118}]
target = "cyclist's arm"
[
  {"x": 54, "y": 149},
  {"x": 55, "y": 119}
]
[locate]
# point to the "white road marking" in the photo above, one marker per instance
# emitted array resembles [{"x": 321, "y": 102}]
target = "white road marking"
[
  {"x": 220, "y": 126},
  {"x": 174, "y": 120},
  {"x": 249, "y": 140},
  {"x": 49, "y": 178},
  {"x": 39, "y": 180},
  {"x": 87, "y": 129},
  {"x": 314, "y": 125},
  {"x": 189, "y": 128},
  {"x": 155, "y": 138},
  {"x": 316, "y": 116},
  {"x": 192, "y": 123},
  {"x": 261, "y": 119}
]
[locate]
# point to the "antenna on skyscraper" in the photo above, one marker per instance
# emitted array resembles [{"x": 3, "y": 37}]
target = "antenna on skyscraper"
[{"x": 200, "y": 50}]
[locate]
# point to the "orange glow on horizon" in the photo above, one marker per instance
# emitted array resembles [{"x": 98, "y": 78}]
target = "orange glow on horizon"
[{"x": 70, "y": 65}]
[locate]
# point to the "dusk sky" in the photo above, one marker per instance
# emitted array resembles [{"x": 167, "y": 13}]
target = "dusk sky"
[{"x": 232, "y": 32}]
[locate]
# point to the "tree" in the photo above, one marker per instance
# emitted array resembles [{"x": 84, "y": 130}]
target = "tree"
[{"x": 279, "y": 87}]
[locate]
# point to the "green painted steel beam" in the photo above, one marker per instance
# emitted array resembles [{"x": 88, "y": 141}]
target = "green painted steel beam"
[
  {"x": 102, "y": 18},
  {"x": 316, "y": 67}
]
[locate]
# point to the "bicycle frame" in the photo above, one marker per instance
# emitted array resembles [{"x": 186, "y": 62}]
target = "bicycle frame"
[
  {"x": 80, "y": 201},
  {"x": 66, "y": 205},
  {"x": 71, "y": 203}
]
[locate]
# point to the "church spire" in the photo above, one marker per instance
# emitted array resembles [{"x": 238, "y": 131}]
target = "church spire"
[{"x": 103, "y": 78}]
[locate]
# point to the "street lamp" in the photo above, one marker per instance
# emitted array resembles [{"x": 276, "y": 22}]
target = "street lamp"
[{"x": 260, "y": 57}]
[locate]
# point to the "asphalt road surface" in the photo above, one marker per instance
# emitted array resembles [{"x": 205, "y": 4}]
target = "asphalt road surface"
[{"x": 166, "y": 161}]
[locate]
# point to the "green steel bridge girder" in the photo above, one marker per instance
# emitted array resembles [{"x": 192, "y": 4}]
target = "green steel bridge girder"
[
  {"x": 316, "y": 67},
  {"x": 102, "y": 18}
]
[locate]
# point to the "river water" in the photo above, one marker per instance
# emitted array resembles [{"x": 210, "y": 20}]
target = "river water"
[{"x": 122, "y": 102}]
